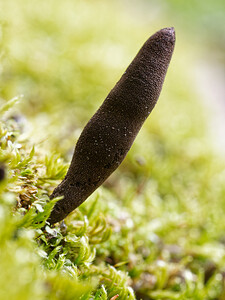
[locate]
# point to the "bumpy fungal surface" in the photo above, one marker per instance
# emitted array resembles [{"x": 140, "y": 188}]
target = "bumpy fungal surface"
[
  {"x": 109, "y": 134},
  {"x": 2, "y": 173}
]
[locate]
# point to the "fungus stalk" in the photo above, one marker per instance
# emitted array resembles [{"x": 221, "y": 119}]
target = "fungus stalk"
[{"x": 109, "y": 134}]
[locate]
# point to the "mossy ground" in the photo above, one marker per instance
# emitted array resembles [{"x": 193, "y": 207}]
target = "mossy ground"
[{"x": 155, "y": 229}]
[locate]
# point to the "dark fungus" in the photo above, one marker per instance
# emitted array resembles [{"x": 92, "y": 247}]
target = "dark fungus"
[
  {"x": 109, "y": 134},
  {"x": 2, "y": 172}
]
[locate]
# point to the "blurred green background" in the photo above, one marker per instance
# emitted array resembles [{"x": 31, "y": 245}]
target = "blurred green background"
[{"x": 64, "y": 56}]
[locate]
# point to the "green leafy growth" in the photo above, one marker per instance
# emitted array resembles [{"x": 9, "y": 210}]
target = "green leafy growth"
[
  {"x": 55, "y": 169},
  {"x": 116, "y": 284},
  {"x": 38, "y": 213},
  {"x": 9, "y": 104}
]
